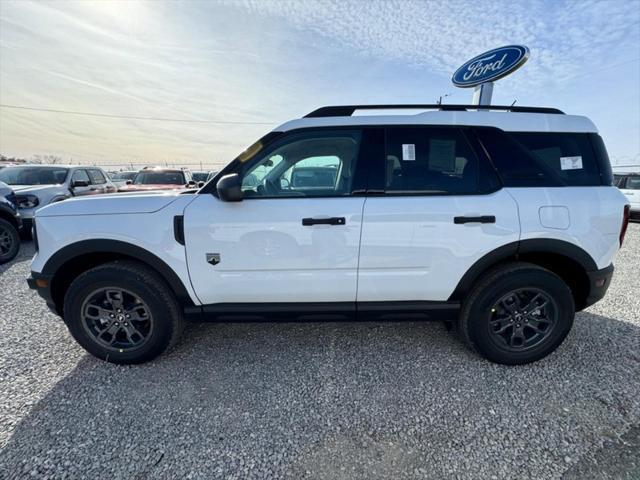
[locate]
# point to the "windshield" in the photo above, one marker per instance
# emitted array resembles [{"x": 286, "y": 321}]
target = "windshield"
[
  {"x": 33, "y": 175},
  {"x": 123, "y": 176},
  {"x": 159, "y": 178}
]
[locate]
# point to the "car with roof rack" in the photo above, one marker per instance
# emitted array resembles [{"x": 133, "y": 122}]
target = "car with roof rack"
[{"x": 501, "y": 220}]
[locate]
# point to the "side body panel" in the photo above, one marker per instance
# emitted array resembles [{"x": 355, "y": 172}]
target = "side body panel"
[
  {"x": 589, "y": 217},
  {"x": 150, "y": 231},
  {"x": 265, "y": 253},
  {"x": 412, "y": 249}
]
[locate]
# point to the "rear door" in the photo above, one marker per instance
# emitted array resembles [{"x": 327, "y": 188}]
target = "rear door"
[
  {"x": 99, "y": 181},
  {"x": 439, "y": 209},
  {"x": 294, "y": 238}
]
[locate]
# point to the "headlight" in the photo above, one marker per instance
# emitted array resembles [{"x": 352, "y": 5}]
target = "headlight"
[{"x": 27, "y": 201}]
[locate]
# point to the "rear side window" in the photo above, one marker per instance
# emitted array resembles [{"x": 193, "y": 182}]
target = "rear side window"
[
  {"x": 97, "y": 178},
  {"x": 424, "y": 160},
  {"x": 534, "y": 159}
]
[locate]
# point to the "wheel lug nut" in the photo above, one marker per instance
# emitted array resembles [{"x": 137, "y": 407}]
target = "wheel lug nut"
[
  {"x": 112, "y": 315},
  {"x": 128, "y": 316}
]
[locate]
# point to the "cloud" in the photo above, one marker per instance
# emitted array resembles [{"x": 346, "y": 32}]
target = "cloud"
[
  {"x": 267, "y": 61},
  {"x": 565, "y": 38}
]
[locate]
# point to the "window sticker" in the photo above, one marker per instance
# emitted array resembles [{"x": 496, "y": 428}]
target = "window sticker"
[
  {"x": 571, "y": 163},
  {"x": 442, "y": 155},
  {"x": 408, "y": 152}
]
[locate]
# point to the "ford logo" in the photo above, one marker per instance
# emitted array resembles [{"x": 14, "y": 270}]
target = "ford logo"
[{"x": 490, "y": 66}]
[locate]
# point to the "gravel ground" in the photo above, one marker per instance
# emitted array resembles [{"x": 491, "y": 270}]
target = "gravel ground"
[{"x": 321, "y": 400}]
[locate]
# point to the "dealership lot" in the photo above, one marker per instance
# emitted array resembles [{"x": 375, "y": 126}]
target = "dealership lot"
[{"x": 321, "y": 400}]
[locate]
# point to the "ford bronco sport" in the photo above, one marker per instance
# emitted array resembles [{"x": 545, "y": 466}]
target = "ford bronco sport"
[{"x": 502, "y": 220}]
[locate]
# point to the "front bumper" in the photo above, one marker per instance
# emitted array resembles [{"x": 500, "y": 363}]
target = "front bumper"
[
  {"x": 42, "y": 284},
  {"x": 599, "y": 281}
]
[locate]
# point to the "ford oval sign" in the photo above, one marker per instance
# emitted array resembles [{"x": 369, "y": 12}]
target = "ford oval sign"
[{"x": 490, "y": 66}]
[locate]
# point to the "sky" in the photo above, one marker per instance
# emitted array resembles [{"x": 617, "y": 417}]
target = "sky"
[{"x": 233, "y": 70}]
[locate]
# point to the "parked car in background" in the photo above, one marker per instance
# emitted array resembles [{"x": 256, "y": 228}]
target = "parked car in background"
[
  {"x": 212, "y": 174},
  {"x": 38, "y": 185},
  {"x": 119, "y": 179},
  {"x": 629, "y": 184},
  {"x": 200, "y": 175},
  {"x": 160, "y": 178},
  {"x": 10, "y": 224}
]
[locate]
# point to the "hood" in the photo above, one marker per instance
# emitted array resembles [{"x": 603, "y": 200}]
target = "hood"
[
  {"x": 35, "y": 188},
  {"x": 113, "y": 204}
]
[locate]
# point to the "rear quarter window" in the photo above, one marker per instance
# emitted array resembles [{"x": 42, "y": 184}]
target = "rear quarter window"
[
  {"x": 569, "y": 155},
  {"x": 530, "y": 159}
]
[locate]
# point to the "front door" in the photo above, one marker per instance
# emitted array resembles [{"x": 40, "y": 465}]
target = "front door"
[{"x": 293, "y": 238}]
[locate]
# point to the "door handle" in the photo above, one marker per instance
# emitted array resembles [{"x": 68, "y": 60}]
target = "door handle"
[
  {"x": 481, "y": 219},
  {"x": 307, "y": 222}
]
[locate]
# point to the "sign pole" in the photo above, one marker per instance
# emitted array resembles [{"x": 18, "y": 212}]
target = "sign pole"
[{"x": 482, "y": 94}]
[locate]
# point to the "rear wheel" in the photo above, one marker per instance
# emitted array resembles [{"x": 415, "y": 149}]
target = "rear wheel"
[
  {"x": 9, "y": 241},
  {"x": 122, "y": 312},
  {"x": 517, "y": 313}
]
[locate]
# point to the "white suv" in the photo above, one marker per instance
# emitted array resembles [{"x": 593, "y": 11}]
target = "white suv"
[{"x": 505, "y": 222}]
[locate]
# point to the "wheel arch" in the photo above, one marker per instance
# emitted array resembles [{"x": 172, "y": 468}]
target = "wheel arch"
[
  {"x": 568, "y": 261},
  {"x": 70, "y": 261},
  {"x": 5, "y": 214}
]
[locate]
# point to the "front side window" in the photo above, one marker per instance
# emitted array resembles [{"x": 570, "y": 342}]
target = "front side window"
[
  {"x": 425, "y": 160},
  {"x": 305, "y": 165}
]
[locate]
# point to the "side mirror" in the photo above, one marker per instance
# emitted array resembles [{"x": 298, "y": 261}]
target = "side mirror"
[
  {"x": 129, "y": 182},
  {"x": 201, "y": 184},
  {"x": 229, "y": 188},
  {"x": 79, "y": 183},
  {"x": 191, "y": 184}
]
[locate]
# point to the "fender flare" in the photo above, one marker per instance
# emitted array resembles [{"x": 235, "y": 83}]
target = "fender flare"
[
  {"x": 107, "y": 246},
  {"x": 513, "y": 250}
]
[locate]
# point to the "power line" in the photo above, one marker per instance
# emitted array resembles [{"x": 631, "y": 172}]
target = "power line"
[{"x": 130, "y": 117}]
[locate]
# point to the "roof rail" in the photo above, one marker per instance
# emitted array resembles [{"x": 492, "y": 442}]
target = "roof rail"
[{"x": 347, "y": 110}]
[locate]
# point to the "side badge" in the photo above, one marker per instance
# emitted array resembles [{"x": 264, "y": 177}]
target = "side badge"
[{"x": 213, "y": 258}]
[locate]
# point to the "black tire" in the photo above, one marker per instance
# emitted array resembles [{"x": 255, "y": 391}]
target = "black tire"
[
  {"x": 491, "y": 311},
  {"x": 9, "y": 241},
  {"x": 163, "y": 324}
]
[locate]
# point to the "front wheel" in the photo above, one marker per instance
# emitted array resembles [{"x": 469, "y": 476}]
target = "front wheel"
[
  {"x": 517, "y": 313},
  {"x": 122, "y": 312},
  {"x": 9, "y": 241}
]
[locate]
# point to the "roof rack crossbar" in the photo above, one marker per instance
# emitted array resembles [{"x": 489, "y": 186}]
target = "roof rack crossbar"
[{"x": 348, "y": 110}]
